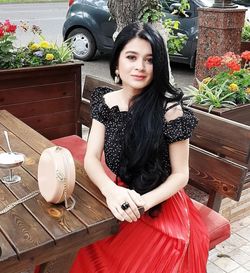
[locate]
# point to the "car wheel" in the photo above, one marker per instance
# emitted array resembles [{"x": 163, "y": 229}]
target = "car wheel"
[{"x": 83, "y": 44}]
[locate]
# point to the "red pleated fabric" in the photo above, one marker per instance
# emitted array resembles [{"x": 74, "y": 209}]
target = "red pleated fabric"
[{"x": 176, "y": 241}]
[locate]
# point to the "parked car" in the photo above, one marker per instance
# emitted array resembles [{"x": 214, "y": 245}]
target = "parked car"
[{"x": 90, "y": 27}]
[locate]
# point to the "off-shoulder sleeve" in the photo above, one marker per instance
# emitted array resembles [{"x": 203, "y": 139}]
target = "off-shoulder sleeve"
[
  {"x": 99, "y": 109},
  {"x": 180, "y": 128}
]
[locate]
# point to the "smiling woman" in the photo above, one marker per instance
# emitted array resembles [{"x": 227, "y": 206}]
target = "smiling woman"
[{"x": 144, "y": 134}]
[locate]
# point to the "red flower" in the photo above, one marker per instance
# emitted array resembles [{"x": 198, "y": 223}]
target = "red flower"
[
  {"x": 246, "y": 55},
  {"x": 234, "y": 66},
  {"x": 1, "y": 32},
  {"x": 230, "y": 57},
  {"x": 213, "y": 61},
  {"x": 9, "y": 27}
]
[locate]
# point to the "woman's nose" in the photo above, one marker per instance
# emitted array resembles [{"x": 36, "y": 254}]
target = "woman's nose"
[{"x": 140, "y": 65}]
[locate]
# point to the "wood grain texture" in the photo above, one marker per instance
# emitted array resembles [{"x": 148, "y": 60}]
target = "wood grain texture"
[
  {"x": 20, "y": 229},
  {"x": 91, "y": 83},
  {"x": 239, "y": 114},
  {"x": 32, "y": 94},
  {"x": 223, "y": 137},
  {"x": 216, "y": 174},
  {"x": 7, "y": 253}
]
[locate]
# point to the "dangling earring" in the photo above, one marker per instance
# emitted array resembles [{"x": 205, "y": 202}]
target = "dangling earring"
[{"x": 117, "y": 77}]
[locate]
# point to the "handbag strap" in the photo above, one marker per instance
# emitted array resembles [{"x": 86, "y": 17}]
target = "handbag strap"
[
  {"x": 19, "y": 201},
  {"x": 35, "y": 193},
  {"x": 61, "y": 176}
]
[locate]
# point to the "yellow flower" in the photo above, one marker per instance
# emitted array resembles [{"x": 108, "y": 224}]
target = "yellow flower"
[
  {"x": 34, "y": 46},
  {"x": 206, "y": 80},
  {"x": 49, "y": 57},
  {"x": 233, "y": 87},
  {"x": 45, "y": 44},
  {"x": 248, "y": 90}
]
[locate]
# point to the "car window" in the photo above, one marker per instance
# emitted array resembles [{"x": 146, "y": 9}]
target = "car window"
[{"x": 99, "y": 3}]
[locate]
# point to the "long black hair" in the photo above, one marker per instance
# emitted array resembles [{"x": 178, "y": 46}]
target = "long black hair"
[{"x": 141, "y": 158}]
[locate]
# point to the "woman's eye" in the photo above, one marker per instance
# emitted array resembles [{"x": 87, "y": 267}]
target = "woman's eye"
[
  {"x": 130, "y": 57},
  {"x": 150, "y": 60}
]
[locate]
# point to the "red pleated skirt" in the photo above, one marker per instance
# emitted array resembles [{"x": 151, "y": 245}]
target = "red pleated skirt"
[{"x": 176, "y": 241}]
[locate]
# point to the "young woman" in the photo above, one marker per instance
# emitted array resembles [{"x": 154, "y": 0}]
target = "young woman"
[{"x": 144, "y": 132}]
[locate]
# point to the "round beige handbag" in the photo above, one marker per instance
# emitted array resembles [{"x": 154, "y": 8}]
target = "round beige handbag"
[{"x": 56, "y": 175}]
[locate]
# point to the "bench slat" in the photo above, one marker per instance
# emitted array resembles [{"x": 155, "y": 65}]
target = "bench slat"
[
  {"x": 91, "y": 83},
  {"x": 223, "y": 137},
  {"x": 214, "y": 173}
]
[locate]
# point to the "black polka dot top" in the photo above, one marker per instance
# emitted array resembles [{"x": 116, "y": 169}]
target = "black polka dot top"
[{"x": 115, "y": 122}]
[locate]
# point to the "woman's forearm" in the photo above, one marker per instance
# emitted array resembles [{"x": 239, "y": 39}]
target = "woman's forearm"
[
  {"x": 96, "y": 173},
  {"x": 172, "y": 185}
]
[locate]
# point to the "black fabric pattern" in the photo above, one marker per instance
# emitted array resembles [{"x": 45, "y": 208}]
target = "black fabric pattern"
[
  {"x": 115, "y": 122},
  {"x": 180, "y": 128}
]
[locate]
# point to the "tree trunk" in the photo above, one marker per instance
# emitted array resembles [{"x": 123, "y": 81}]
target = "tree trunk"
[{"x": 128, "y": 11}]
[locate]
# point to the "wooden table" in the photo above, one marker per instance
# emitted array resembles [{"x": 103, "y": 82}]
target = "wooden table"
[{"x": 37, "y": 232}]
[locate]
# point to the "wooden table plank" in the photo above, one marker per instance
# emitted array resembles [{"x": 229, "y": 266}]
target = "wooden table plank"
[
  {"x": 93, "y": 213},
  {"x": 19, "y": 227},
  {"x": 6, "y": 252},
  {"x": 84, "y": 182}
]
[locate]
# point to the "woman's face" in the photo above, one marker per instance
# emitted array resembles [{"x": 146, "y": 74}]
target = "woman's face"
[{"x": 135, "y": 66}]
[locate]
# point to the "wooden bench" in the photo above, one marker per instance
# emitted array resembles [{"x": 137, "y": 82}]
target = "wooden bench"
[
  {"x": 211, "y": 167},
  {"x": 229, "y": 142}
]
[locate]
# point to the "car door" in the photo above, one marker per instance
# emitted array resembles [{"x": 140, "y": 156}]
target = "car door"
[{"x": 106, "y": 22}]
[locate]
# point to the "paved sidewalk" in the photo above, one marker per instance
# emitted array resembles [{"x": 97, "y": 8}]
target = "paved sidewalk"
[{"x": 233, "y": 255}]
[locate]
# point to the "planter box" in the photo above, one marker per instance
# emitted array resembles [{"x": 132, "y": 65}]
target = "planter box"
[
  {"x": 46, "y": 98},
  {"x": 240, "y": 113}
]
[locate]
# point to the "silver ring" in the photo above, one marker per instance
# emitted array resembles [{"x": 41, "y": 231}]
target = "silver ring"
[{"x": 125, "y": 205}]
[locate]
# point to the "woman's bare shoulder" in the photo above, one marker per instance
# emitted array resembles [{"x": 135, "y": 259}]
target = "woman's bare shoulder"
[
  {"x": 174, "y": 112},
  {"x": 112, "y": 98}
]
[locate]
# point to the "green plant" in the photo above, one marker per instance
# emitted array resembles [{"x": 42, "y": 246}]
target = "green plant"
[
  {"x": 175, "y": 40},
  {"x": 182, "y": 7},
  {"x": 36, "y": 53},
  {"x": 214, "y": 97},
  {"x": 226, "y": 88},
  {"x": 245, "y": 34}
]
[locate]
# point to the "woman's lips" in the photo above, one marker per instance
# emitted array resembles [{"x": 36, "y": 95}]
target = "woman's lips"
[{"x": 138, "y": 77}]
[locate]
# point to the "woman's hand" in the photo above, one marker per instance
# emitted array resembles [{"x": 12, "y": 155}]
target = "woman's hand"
[{"x": 116, "y": 196}]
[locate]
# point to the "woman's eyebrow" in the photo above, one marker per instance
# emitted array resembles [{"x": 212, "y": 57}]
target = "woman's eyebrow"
[
  {"x": 137, "y": 53},
  {"x": 131, "y": 52}
]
